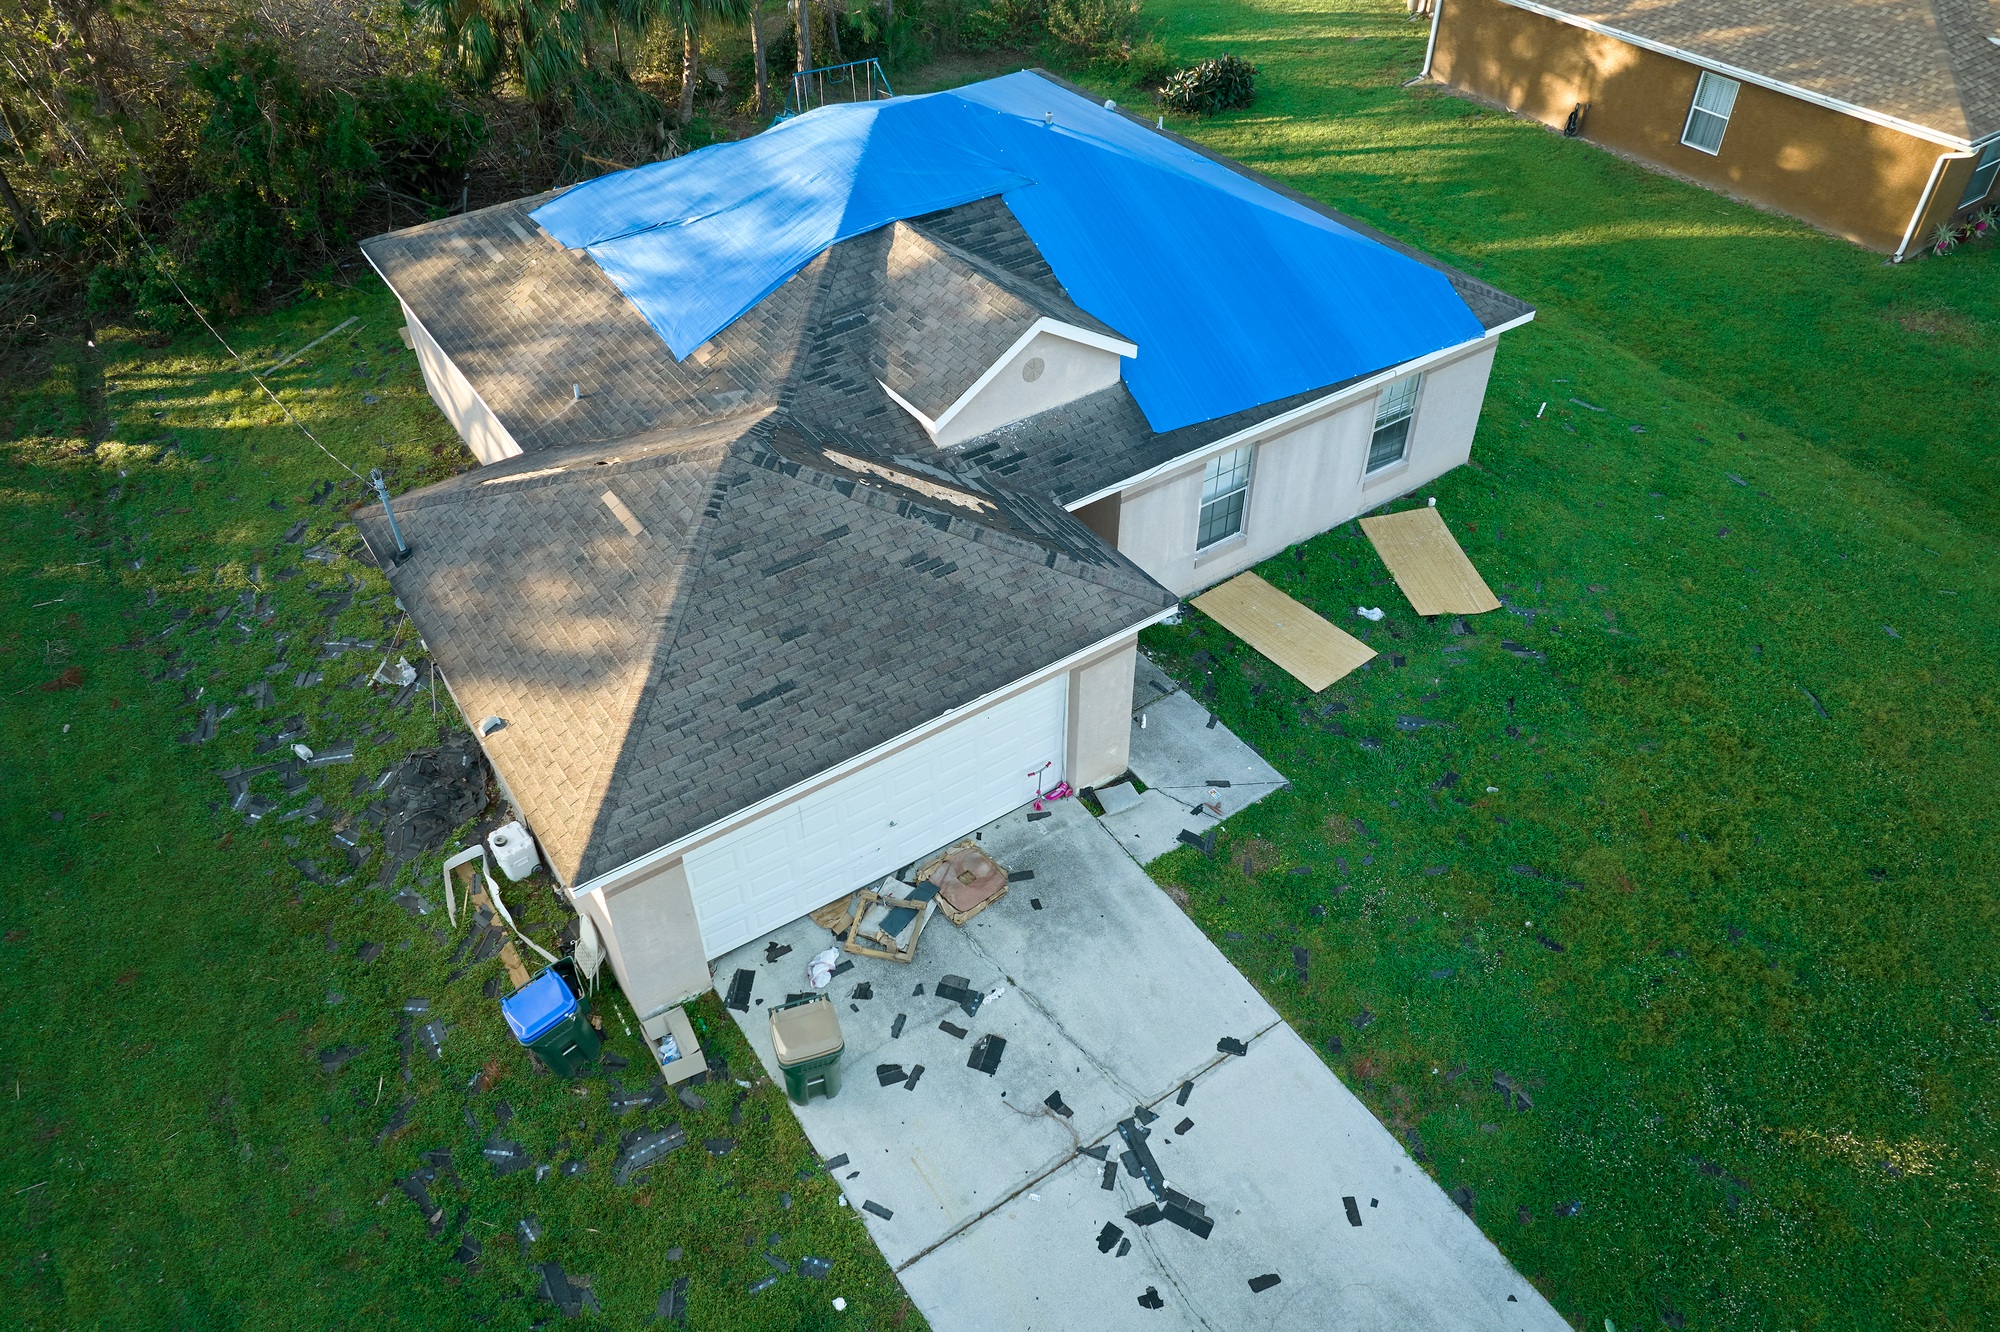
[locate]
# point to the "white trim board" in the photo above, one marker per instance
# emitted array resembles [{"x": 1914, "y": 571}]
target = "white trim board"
[
  {"x": 1299, "y": 415},
  {"x": 675, "y": 849},
  {"x": 1924, "y": 199},
  {"x": 1742, "y": 75}
]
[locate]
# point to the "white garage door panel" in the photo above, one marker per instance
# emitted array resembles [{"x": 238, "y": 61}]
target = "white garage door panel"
[{"x": 875, "y": 821}]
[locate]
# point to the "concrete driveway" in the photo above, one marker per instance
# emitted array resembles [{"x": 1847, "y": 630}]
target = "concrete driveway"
[{"x": 988, "y": 1202}]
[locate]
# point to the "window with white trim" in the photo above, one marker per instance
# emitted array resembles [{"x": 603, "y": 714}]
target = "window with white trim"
[
  {"x": 1981, "y": 183},
  {"x": 1714, "y": 99},
  {"x": 1393, "y": 411},
  {"x": 1225, "y": 484}
]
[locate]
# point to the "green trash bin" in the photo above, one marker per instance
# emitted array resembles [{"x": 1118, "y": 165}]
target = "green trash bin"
[
  {"x": 805, "y": 1035},
  {"x": 547, "y": 1018}
]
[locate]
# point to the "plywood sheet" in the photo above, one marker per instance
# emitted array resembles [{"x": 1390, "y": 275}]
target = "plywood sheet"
[
  {"x": 1428, "y": 565},
  {"x": 1309, "y": 649}
]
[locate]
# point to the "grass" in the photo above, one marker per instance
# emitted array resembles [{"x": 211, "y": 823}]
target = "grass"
[
  {"x": 180, "y": 1158},
  {"x": 1726, "y": 917},
  {"x": 1692, "y": 843},
  {"x": 1779, "y": 321}
]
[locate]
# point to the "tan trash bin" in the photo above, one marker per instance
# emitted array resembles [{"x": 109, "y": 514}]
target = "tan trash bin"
[{"x": 805, "y": 1034}]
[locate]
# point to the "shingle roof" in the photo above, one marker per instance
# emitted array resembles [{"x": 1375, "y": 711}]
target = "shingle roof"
[
  {"x": 705, "y": 581},
  {"x": 681, "y": 624},
  {"x": 1928, "y": 62},
  {"x": 946, "y": 316},
  {"x": 528, "y": 323}
]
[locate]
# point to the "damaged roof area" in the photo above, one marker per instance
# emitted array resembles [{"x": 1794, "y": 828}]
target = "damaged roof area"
[{"x": 678, "y": 625}]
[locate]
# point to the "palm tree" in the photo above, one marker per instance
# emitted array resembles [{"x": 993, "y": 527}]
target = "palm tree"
[{"x": 539, "y": 41}]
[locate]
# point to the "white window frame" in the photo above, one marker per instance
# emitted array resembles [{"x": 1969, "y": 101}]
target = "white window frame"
[
  {"x": 1714, "y": 100},
  {"x": 1225, "y": 486},
  {"x": 1395, "y": 406},
  {"x": 1983, "y": 172}
]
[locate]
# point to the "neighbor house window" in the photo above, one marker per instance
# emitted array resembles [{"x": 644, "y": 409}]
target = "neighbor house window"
[
  {"x": 1714, "y": 99},
  {"x": 1981, "y": 183},
  {"x": 1223, "y": 487},
  {"x": 1392, "y": 423}
]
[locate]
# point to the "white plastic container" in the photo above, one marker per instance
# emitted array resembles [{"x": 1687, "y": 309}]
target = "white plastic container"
[{"x": 514, "y": 851}]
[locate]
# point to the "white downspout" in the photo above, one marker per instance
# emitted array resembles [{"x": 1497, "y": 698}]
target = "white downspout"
[
  {"x": 1430, "y": 47},
  {"x": 1924, "y": 202}
]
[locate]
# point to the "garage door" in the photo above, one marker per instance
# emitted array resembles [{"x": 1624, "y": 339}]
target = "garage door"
[{"x": 875, "y": 821}]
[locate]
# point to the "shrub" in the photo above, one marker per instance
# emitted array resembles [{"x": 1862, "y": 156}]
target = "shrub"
[
  {"x": 1094, "y": 31},
  {"x": 1220, "y": 84},
  {"x": 422, "y": 136}
]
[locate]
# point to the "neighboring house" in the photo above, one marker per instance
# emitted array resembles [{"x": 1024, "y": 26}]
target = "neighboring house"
[
  {"x": 832, "y": 476},
  {"x": 1874, "y": 121}
]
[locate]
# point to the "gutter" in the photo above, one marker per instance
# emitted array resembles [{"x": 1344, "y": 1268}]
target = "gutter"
[
  {"x": 677, "y": 848},
  {"x": 1924, "y": 201},
  {"x": 1304, "y": 412},
  {"x": 1431, "y": 46},
  {"x": 1742, "y": 75}
]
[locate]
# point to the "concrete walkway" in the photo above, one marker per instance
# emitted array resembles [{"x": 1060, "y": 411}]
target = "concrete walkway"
[
  {"x": 1107, "y": 996},
  {"x": 1181, "y": 753}
]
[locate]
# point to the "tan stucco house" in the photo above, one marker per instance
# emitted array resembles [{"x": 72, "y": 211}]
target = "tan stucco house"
[
  {"x": 861, "y": 566},
  {"x": 1876, "y": 121}
]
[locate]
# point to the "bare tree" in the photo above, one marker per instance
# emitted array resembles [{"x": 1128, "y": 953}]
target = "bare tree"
[{"x": 757, "y": 55}]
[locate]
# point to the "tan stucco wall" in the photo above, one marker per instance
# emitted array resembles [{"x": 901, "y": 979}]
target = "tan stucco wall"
[
  {"x": 1304, "y": 479},
  {"x": 652, "y": 939},
  {"x": 1100, "y": 716},
  {"x": 1101, "y": 517},
  {"x": 1846, "y": 175},
  {"x": 1070, "y": 370},
  {"x": 468, "y": 413}
]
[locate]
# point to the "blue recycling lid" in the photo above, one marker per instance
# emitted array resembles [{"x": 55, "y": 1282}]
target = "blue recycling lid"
[{"x": 537, "y": 1006}]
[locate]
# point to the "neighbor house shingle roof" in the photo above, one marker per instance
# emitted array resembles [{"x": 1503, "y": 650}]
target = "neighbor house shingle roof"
[
  {"x": 678, "y": 625},
  {"x": 1927, "y": 62}
]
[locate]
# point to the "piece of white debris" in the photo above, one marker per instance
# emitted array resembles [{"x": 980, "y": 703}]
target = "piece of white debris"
[
  {"x": 1369, "y": 612},
  {"x": 839, "y": 1304},
  {"x": 305, "y": 755},
  {"x": 820, "y": 970},
  {"x": 1492, "y": 790},
  {"x": 401, "y": 674}
]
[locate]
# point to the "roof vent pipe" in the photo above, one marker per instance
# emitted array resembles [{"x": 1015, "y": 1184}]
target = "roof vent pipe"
[{"x": 382, "y": 490}]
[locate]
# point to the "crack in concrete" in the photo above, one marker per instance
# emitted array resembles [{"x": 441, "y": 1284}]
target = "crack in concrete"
[{"x": 1068, "y": 1158}]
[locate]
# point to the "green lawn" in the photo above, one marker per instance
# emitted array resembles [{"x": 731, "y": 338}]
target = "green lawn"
[
  {"x": 1727, "y": 918},
  {"x": 1705, "y": 867},
  {"x": 179, "y": 1157}
]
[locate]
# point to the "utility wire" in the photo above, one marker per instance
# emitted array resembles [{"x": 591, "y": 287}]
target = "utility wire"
[{"x": 167, "y": 272}]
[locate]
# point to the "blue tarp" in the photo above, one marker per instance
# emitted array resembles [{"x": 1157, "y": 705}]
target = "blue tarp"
[{"x": 1235, "y": 295}]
